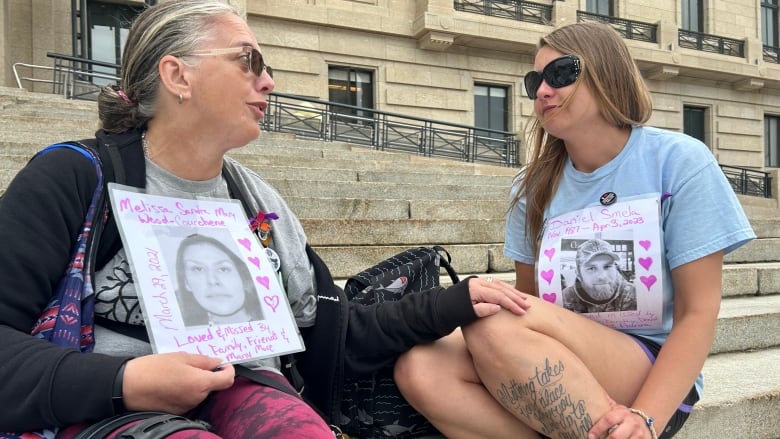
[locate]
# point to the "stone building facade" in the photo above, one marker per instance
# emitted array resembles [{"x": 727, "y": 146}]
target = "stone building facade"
[{"x": 436, "y": 58}]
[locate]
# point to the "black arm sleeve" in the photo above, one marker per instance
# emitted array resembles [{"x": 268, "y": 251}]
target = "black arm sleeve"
[
  {"x": 41, "y": 215},
  {"x": 377, "y": 334}
]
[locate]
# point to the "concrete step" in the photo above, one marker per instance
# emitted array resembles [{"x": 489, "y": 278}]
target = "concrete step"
[
  {"x": 748, "y": 323},
  {"x": 384, "y": 209},
  {"x": 741, "y": 397},
  {"x": 764, "y": 249},
  {"x": 366, "y": 233},
  {"x": 48, "y": 111},
  {"x": 397, "y": 191},
  {"x": 11, "y": 122},
  {"x": 20, "y": 96}
]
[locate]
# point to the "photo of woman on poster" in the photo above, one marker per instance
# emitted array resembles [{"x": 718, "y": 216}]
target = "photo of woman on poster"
[{"x": 214, "y": 285}]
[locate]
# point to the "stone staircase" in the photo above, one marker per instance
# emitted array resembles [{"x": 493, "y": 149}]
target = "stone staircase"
[{"x": 359, "y": 206}]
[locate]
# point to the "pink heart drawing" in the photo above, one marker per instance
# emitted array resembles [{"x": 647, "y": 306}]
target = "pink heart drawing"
[
  {"x": 549, "y": 253},
  {"x": 547, "y": 275},
  {"x": 272, "y": 301},
  {"x": 263, "y": 280},
  {"x": 254, "y": 260},
  {"x": 645, "y": 244},
  {"x": 648, "y": 280},
  {"x": 646, "y": 262},
  {"x": 550, "y": 297},
  {"x": 246, "y": 243}
]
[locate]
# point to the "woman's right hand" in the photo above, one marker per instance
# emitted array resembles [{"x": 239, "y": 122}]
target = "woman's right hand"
[
  {"x": 174, "y": 382},
  {"x": 488, "y": 297}
]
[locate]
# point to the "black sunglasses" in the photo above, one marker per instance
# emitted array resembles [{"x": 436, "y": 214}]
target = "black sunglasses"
[
  {"x": 254, "y": 59},
  {"x": 558, "y": 73}
]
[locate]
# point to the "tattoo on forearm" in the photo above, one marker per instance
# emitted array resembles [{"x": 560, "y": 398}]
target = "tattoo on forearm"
[{"x": 543, "y": 398}]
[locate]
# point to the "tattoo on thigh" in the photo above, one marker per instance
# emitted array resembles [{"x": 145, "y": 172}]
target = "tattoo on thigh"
[{"x": 542, "y": 398}]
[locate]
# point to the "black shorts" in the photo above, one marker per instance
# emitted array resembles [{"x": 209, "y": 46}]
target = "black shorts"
[{"x": 679, "y": 417}]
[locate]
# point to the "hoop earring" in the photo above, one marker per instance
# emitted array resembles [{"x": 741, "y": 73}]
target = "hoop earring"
[{"x": 180, "y": 98}]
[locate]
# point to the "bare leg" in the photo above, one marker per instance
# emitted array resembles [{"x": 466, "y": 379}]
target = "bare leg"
[
  {"x": 439, "y": 380},
  {"x": 554, "y": 370}
]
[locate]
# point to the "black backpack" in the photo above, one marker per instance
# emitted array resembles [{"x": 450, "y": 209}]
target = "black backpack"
[{"x": 372, "y": 407}]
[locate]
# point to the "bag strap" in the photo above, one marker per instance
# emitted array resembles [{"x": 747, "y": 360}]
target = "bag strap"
[
  {"x": 101, "y": 429},
  {"x": 289, "y": 368},
  {"x": 446, "y": 263},
  {"x": 71, "y": 307},
  {"x": 162, "y": 426},
  {"x": 259, "y": 378}
]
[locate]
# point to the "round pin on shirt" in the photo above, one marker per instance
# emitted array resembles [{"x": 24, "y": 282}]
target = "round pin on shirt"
[
  {"x": 273, "y": 257},
  {"x": 607, "y": 198}
]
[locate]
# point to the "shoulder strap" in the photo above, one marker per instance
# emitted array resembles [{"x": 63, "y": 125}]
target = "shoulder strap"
[
  {"x": 113, "y": 171},
  {"x": 235, "y": 191},
  {"x": 289, "y": 367}
]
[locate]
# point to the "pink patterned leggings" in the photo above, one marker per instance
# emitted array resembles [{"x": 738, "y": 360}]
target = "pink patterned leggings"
[{"x": 245, "y": 411}]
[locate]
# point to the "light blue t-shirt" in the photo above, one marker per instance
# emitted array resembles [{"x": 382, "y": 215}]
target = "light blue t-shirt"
[{"x": 699, "y": 215}]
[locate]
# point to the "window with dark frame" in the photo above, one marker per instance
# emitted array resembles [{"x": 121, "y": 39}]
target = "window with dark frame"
[
  {"x": 769, "y": 22},
  {"x": 772, "y": 141},
  {"x": 600, "y": 7},
  {"x": 693, "y": 15},
  {"x": 695, "y": 122},
  {"x": 347, "y": 85},
  {"x": 109, "y": 24},
  {"x": 491, "y": 107}
]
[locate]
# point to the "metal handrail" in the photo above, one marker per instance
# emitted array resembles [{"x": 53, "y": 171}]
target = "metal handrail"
[
  {"x": 628, "y": 29},
  {"x": 387, "y": 131},
  {"x": 518, "y": 10},
  {"x": 711, "y": 43},
  {"x": 19, "y": 78},
  {"x": 771, "y": 54},
  {"x": 748, "y": 181}
]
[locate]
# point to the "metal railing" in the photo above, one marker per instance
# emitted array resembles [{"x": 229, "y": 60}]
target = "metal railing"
[
  {"x": 518, "y": 10},
  {"x": 385, "y": 131},
  {"x": 748, "y": 181},
  {"x": 72, "y": 77},
  {"x": 771, "y": 54},
  {"x": 308, "y": 117},
  {"x": 711, "y": 43},
  {"x": 628, "y": 29},
  {"x": 81, "y": 78}
]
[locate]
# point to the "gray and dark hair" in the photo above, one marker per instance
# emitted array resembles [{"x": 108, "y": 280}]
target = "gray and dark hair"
[{"x": 173, "y": 27}]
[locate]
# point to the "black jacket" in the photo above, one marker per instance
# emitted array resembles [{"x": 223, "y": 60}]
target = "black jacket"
[{"x": 44, "y": 385}]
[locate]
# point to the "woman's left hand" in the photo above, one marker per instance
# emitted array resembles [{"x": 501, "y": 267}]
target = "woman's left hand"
[
  {"x": 619, "y": 423},
  {"x": 489, "y": 296}
]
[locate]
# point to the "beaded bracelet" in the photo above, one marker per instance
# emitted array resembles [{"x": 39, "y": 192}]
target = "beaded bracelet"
[{"x": 648, "y": 421}]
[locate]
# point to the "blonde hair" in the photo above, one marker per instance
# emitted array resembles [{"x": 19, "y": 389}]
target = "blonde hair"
[
  {"x": 623, "y": 99},
  {"x": 173, "y": 27}
]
